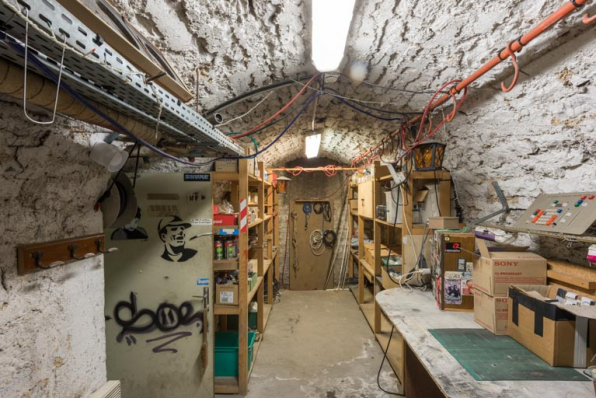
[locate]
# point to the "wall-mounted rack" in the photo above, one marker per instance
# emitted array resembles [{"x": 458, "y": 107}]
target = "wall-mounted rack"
[
  {"x": 39, "y": 256},
  {"x": 97, "y": 71}
]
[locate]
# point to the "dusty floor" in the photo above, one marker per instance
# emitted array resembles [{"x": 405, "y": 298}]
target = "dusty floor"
[{"x": 318, "y": 344}]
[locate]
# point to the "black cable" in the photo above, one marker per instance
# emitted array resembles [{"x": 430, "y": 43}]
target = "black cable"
[
  {"x": 360, "y": 103},
  {"x": 381, "y": 368},
  {"x": 317, "y": 207},
  {"x": 393, "y": 88},
  {"x": 327, "y": 211},
  {"x": 252, "y": 93},
  {"x": 106, "y": 193},
  {"x": 134, "y": 181},
  {"x": 329, "y": 242}
]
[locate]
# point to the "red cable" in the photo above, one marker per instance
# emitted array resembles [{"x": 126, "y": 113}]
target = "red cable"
[{"x": 286, "y": 106}]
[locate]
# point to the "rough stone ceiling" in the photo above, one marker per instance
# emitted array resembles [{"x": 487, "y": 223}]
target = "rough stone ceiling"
[{"x": 240, "y": 45}]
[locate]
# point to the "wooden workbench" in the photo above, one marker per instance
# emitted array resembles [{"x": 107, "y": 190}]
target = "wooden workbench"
[{"x": 413, "y": 314}]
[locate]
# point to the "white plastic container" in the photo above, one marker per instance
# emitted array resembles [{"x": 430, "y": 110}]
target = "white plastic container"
[{"x": 109, "y": 156}]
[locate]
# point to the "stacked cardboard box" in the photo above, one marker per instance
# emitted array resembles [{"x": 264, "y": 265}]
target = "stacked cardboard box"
[{"x": 493, "y": 273}]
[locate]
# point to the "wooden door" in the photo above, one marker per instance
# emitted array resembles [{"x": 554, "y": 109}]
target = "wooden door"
[{"x": 308, "y": 271}]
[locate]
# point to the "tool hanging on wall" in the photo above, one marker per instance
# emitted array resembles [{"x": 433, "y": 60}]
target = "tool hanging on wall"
[
  {"x": 330, "y": 238},
  {"x": 307, "y": 209},
  {"x": 294, "y": 241}
]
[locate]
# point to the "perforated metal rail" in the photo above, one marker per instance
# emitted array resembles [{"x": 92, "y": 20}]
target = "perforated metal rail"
[{"x": 98, "y": 72}]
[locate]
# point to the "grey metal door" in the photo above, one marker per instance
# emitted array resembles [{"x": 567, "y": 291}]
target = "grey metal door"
[{"x": 159, "y": 337}]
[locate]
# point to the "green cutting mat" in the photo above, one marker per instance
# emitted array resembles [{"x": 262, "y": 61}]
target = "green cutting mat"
[{"x": 489, "y": 358}]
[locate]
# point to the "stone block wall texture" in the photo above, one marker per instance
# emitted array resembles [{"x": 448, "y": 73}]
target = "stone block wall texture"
[
  {"x": 538, "y": 138},
  {"x": 52, "y": 340}
]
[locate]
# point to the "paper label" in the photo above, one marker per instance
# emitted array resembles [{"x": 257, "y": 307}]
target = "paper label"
[
  {"x": 201, "y": 221},
  {"x": 452, "y": 247},
  {"x": 453, "y": 287},
  {"x": 203, "y": 281},
  {"x": 226, "y": 297}
]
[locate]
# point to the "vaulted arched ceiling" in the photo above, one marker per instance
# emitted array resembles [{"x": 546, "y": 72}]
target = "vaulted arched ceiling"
[{"x": 241, "y": 45}]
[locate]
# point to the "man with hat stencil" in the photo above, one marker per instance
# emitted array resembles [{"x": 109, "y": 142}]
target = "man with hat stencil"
[{"x": 171, "y": 232}]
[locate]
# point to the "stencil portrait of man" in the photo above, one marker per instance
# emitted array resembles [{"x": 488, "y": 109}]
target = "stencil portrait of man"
[{"x": 172, "y": 233}]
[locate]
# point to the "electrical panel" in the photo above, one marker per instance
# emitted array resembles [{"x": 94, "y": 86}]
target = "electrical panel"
[{"x": 568, "y": 213}]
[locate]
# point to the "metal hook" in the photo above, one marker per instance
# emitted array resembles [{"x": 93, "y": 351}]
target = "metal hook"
[
  {"x": 73, "y": 249},
  {"x": 511, "y": 53},
  {"x": 26, "y": 11},
  {"x": 99, "y": 247},
  {"x": 588, "y": 19},
  {"x": 37, "y": 256}
]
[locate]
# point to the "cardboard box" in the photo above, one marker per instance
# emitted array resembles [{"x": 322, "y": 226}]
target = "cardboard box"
[
  {"x": 226, "y": 166},
  {"x": 443, "y": 223},
  {"x": 369, "y": 253},
  {"x": 491, "y": 312},
  {"x": 226, "y": 294},
  {"x": 354, "y": 205},
  {"x": 225, "y": 219},
  {"x": 562, "y": 335},
  {"x": 495, "y": 271}
]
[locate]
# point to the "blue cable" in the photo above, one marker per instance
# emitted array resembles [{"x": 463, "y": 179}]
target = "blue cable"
[
  {"x": 311, "y": 99},
  {"x": 363, "y": 111}
]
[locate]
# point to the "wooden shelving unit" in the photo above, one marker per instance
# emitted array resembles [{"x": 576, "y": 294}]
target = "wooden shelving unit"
[
  {"x": 266, "y": 226},
  {"x": 386, "y": 233}
]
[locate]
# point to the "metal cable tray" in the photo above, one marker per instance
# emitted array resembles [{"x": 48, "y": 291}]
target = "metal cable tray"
[{"x": 124, "y": 92}]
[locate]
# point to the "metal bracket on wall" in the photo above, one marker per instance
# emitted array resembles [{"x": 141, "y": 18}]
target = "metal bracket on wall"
[
  {"x": 502, "y": 199},
  {"x": 39, "y": 256},
  {"x": 100, "y": 73}
]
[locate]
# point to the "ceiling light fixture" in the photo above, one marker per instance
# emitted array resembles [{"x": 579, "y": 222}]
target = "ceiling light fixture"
[
  {"x": 313, "y": 142},
  {"x": 330, "y": 25}
]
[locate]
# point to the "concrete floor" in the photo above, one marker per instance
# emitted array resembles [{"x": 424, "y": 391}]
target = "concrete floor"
[{"x": 318, "y": 344}]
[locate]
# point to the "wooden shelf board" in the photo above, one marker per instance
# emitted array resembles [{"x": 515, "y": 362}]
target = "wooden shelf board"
[
  {"x": 354, "y": 253},
  {"x": 571, "y": 279},
  {"x": 266, "y": 266},
  {"x": 385, "y": 178},
  {"x": 254, "y": 224},
  {"x": 254, "y": 290},
  {"x": 225, "y": 265},
  {"x": 431, "y": 175},
  {"x": 221, "y": 176},
  {"x": 364, "y": 217},
  {"x": 389, "y": 224},
  {"x": 226, "y": 385},
  {"x": 368, "y": 267},
  {"x": 253, "y": 204},
  {"x": 354, "y": 214},
  {"x": 219, "y": 309},
  {"x": 268, "y": 217}
]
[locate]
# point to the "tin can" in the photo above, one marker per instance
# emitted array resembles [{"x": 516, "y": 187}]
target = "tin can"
[
  {"x": 218, "y": 251},
  {"x": 230, "y": 247}
]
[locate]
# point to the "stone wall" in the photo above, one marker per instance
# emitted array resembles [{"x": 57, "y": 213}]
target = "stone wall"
[
  {"x": 538, "y": 138},
  {"x": 52, "y": 340}
]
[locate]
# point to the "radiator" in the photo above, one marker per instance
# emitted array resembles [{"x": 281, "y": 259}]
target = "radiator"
[{"x": 109, "y": 390}]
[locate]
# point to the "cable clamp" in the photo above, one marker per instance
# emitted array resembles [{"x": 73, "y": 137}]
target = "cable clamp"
[{"x": 575, "y": 4}]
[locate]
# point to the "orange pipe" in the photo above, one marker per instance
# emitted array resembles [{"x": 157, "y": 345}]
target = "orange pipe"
[{"x": 517, "y": 45}]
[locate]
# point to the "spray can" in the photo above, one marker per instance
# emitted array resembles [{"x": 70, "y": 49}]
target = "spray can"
[
  {"x": 218, "y": 251},
  {"x": 230, "y": 248}
]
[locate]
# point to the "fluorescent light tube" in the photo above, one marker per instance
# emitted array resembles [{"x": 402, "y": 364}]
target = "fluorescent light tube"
[
  {"x": 330, "y": 25},
  {"x": 313, "y": 142}
]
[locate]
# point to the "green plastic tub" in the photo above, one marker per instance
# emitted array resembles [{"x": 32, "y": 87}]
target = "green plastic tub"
[{"x": 226, "y": 353}]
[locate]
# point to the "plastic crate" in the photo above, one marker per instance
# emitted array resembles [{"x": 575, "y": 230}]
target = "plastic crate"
[{"x": 226, "y": 353}]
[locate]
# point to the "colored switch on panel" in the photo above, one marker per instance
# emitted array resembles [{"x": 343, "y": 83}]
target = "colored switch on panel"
[
  {"x": 591, "y": 197},
  {"x": 550, "y": 220},
  {"x": 560, "y": 211},
  {"x": 540, "y": 213},
  {"x": 556, "y": 201},
  {"x": 583, "y": 197}
]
